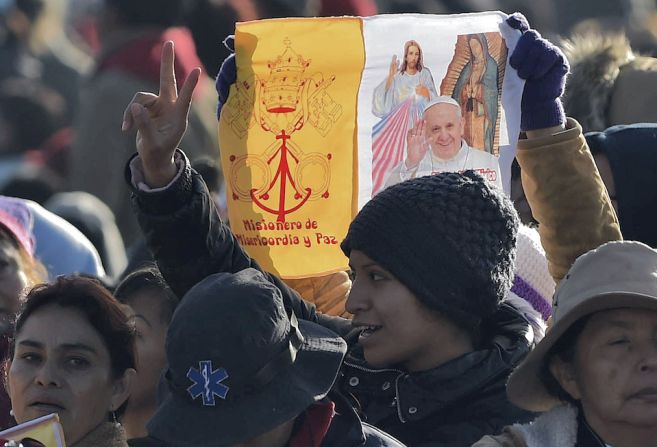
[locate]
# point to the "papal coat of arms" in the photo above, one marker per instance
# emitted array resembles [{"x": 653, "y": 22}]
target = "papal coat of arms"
[{"x": 283, "y": 177}]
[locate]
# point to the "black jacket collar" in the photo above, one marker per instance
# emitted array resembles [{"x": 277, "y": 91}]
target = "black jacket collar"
[{"x": 416, "y": 395}]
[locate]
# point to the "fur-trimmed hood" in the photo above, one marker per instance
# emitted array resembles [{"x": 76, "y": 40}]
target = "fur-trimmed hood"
[
  {"x": 609, "y": 84},
  {"x": 542, "y": 433},
  {"x": 595, "y": 64},
  {"x": 539, "y": 433}
]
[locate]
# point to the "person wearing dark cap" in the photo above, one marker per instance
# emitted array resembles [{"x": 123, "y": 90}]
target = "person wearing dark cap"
[
  {"x": 626, "y": 156},
  {"x": 262, "y": 384},
  {"x": 433, "y": 259},
  {"x": 595, "y": 373}
]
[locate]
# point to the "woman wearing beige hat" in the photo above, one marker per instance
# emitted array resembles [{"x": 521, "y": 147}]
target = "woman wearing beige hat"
[{"x": 595, "y": 373}]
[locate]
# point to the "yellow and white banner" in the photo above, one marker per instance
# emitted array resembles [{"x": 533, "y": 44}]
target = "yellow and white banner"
[
  {"x": 316, "y": 123},
  {"x": 287, "y": 137}
]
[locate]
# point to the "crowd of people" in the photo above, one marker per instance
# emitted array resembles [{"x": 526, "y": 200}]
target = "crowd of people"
[{"x": 129, "y": 308}]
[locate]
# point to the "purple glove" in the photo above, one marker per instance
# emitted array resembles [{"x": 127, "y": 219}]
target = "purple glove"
[
  {"x": 544, "y": 68},
  {"x": 227, "y": 75}
]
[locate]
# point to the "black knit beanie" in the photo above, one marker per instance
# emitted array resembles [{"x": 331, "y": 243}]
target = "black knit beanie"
[{"x": 450, "y": 238}]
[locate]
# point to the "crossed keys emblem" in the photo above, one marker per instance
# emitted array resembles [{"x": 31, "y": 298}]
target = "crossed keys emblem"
[{"x": 282, "y": 104}]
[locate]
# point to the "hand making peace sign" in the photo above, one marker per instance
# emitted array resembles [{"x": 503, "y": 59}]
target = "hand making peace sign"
[{"x": 161, "y": 121}]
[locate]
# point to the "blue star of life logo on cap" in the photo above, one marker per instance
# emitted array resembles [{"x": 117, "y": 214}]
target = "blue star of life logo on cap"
[{"x": 207, "y": 382}]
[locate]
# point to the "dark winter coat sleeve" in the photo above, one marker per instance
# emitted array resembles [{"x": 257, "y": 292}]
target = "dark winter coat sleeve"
[{"x": 189, "y": 241}]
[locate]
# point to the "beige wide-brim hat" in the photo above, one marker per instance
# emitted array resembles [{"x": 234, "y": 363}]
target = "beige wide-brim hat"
[{"x": 615, "y": 275}]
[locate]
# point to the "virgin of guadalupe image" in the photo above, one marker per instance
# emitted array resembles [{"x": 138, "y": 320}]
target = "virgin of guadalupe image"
[
  {"x": 474, "y": 80},
  {"x": 399, "y": 101}
]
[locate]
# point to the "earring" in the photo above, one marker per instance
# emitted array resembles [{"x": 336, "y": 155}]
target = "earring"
[
  {"x": 116, "y": 422},
  {"x": 11, "y": 412}
]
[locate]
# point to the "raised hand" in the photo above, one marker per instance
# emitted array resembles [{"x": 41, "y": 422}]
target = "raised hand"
[
  {"x": 161, "y": 121},
  {"x": 544, "y": 67},
  {"x": 416, "y": 145}
]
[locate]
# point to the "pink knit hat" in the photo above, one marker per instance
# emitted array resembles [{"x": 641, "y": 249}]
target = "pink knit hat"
[{"x": 17, "y": 219}]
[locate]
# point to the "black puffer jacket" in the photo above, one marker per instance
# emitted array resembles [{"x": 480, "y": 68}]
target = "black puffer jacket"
[{"x": 452, "y": 405}]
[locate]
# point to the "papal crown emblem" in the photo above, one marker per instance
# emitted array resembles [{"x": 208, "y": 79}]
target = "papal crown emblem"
[{"x": 282, "y": 90}]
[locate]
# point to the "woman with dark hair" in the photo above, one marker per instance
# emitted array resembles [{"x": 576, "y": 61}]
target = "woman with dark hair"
[
  {"x": 151, "y": 304},
  {"x": 74, "y": 355}
]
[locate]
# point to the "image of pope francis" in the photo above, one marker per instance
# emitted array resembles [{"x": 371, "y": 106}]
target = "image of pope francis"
[{"x": 435, "y": 144}]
